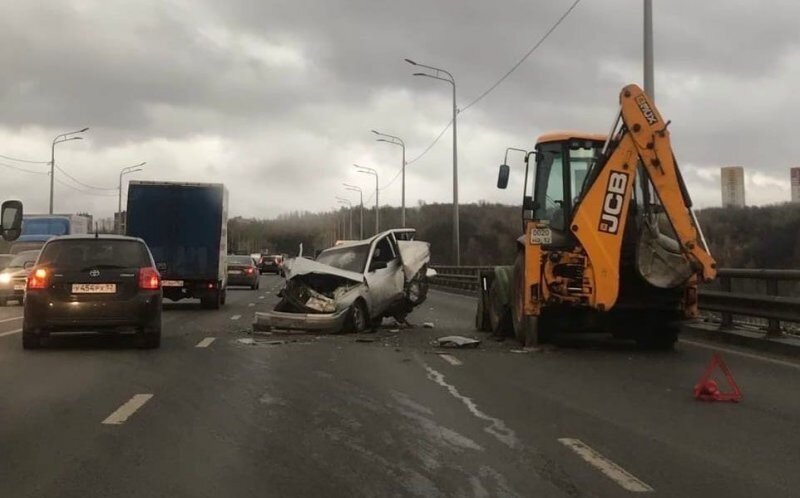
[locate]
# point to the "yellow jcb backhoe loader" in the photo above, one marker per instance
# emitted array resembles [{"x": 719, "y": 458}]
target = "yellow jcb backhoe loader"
[{"x": 610, "y": 239}]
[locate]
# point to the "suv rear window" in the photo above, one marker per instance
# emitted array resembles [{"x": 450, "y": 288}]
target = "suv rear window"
[
  {"x": 85, "y": 254},
  {"x": 240, "y": 260}
]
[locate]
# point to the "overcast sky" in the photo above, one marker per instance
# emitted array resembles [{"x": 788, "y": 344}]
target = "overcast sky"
[{"x": 276, "y": 98}]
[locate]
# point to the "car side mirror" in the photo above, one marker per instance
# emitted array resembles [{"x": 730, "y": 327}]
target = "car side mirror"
[
  {"x": 11, "y": 217},
  {"x": 378, "y": 265},
  {"x": 502, "y": 176},
  {"x": 29, "y": 264}
]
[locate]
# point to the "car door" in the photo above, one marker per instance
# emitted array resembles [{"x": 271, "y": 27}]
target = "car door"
[{"x": 383, "y": 268}]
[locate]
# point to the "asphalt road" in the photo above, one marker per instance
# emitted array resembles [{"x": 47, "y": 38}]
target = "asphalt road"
[{"x": 383, "y": 414}]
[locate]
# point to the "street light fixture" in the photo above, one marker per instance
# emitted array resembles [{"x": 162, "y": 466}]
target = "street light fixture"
[
  {"x": 361, "y": 197},
  {"x": 125, "y": 171},
  {"x": 398, "y": 141},
  {"x": 371, "y": 171},
  {"x": 442, "y": 75},
  {"x": 64, "y": 137},
  {"x": 347, "y": 202}
]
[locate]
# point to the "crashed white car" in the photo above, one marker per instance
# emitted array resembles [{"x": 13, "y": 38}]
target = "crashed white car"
[{"x": 353, "y": 285}]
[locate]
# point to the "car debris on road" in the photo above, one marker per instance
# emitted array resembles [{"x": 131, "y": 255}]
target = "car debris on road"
[{"x": 457, "y": 341}]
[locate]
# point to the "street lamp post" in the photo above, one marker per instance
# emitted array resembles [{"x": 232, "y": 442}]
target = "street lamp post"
[
  {"x": 361, "y": 202},
  {"x": 370, "y": 171},
  {"x": 347, "y": 202},
  {"x": 398, "y": 141},
  {"x": 649, "y": 83},
  {"x": 64, "y": 137},
  {"x": 449, "y": 79},
  {"x": 125, "y": 171}
]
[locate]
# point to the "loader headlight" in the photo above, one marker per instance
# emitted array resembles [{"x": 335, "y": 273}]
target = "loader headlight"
[{"x": 5, "y": 278}]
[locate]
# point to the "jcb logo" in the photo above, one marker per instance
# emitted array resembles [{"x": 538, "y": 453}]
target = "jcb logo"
[{"x": 612, "y": 203}]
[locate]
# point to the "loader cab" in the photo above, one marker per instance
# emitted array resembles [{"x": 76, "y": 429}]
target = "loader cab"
[{"x": 555, "y": 173}]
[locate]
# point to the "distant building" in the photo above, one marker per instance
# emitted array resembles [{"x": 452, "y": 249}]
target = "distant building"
[
  {"x": 732, "y": 180},
  {"x": 119, "y": 222},
  {"x": 795, "y": 175}
]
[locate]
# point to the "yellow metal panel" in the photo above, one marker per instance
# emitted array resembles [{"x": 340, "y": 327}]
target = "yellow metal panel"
[{"x": 533, "y": 271}]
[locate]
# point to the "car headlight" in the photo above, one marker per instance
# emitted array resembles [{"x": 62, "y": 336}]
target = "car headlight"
[{"x": 5, "y": 278}]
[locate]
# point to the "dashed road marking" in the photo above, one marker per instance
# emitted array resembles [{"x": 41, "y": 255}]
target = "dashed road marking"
[
  {"x": 205, "y": 342},
  {"x": 124, "y": 412},
  {"x": 450, "y": 359},
  {"x": 236, "y": 317},
  {"x": 742, "y": 353},
  {"x": 251, "y": 304},
  {"x": 611, "y": 470},
  {"x": 261, "y": 297},
  {"x": 12, "y": 332},
  {"x": 11, "y": 319}
]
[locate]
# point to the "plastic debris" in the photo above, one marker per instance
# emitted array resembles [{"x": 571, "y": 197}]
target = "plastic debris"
[
  {"x": 428, "y": 325},
  {"x": 457, "y": 341}
]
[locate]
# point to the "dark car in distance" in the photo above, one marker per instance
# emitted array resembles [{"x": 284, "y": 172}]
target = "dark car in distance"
[
  {"x": 14, "y": 276},
  {"x": 271, "y": 263},
  {"x": 93, "y": 283},
  {"x": 242, "y": 270}
]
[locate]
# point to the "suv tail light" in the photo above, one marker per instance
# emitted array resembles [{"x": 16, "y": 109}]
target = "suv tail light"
[
  {"x": 149, "y": 278},
  {"x": 250, "y": 271},
  {"x": 38, "y": 279}
]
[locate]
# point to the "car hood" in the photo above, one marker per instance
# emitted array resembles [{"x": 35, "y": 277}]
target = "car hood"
[{"x": 302, "y": 266}]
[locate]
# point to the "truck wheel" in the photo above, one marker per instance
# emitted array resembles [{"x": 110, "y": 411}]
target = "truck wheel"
[
  {"x": 659, "y": 338},
  {"x": 499, "y": 316},
  {"x": 526, "y": 327},
  {"x": 224, "y": 296}
]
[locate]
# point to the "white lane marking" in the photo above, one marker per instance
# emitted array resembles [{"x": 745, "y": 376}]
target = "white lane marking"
[
  {"x": 613, "y": 471},
  {"x": 251, "y": 304},
  {"x": 129, "y": 408},
  {"x": 261, "y": 297},
  {"x": 741, "y": 353},
  {"x": 12, "y": 332},
  {"x": 11, "y": 319},
  {"x": 496, "y": 428},
  {"x": 236, "y": 317},
  {"x": 450, "y": 359},
  {"x": 205, "y": 342}
]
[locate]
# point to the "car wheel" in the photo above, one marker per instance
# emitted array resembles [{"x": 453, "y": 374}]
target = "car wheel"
[
  {"x": 358, "y": 318},
  {"x": 30, "y": 341}
]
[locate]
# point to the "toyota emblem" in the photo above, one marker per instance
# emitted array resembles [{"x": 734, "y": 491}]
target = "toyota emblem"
[{"x": 94, "y": 273}]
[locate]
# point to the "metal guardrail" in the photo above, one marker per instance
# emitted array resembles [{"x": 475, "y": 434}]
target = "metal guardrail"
[{"x": 726, "y": 301}]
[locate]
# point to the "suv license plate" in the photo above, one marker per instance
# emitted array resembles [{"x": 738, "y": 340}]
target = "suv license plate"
[
  {"x": 19, "y": 287},
  {"x": 94, "y": 288},
  {"x": 172, "y": 283}
]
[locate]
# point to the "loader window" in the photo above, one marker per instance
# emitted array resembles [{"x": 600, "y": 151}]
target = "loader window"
[{"x": 550, "y": 187}]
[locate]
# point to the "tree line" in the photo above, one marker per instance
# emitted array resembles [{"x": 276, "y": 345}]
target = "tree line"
[{"x": 749, "y": 237}]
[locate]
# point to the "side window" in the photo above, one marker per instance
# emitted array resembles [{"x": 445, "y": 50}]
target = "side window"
[
  {"x": 383, "y": 251},
  {"x": 550, "y": 189}
]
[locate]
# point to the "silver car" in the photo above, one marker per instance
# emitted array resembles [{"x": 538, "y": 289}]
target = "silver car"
[{"x": 353, "y": 285}]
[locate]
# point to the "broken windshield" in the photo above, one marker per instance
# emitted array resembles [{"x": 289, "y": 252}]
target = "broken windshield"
[{"x": 352, "y": 258}]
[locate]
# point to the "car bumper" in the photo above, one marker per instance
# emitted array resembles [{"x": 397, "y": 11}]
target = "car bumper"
[
  {"x": 300, "y": 321},
  {"x": 10, "y": 293},
  {"x": 242, "y": 279},
  {"x": 43, "y": 313}
]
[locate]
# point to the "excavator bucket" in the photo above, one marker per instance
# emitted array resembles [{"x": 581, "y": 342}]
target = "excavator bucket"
[{"x": 659, "y": 259}]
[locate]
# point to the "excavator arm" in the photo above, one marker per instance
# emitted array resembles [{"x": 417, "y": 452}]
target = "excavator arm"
[{"x": 600, "y": 219}]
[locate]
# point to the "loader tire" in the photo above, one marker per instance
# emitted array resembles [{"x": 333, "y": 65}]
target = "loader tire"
[{"x": 499, "y": 314}]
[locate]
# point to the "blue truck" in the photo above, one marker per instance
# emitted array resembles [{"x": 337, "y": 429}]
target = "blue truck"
[
  {"x": 186, "y": 227},
  {"x": 39, "y": 228}
]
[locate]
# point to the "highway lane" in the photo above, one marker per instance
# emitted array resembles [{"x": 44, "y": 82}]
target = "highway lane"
[{"x": 333, "y": 416}]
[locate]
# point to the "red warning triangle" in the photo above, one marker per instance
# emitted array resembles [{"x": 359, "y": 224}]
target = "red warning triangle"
[{"x": 707, "y": 388}]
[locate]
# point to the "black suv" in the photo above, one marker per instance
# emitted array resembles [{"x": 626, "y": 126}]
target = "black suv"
[{"x": 93, "y": 283}]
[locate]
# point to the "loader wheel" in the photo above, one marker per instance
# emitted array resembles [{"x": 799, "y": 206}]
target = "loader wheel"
[
  {"x": 526, "y": 327},
  {"x": 659, "y": 338},
  {"x": 499, "y": 315}
]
